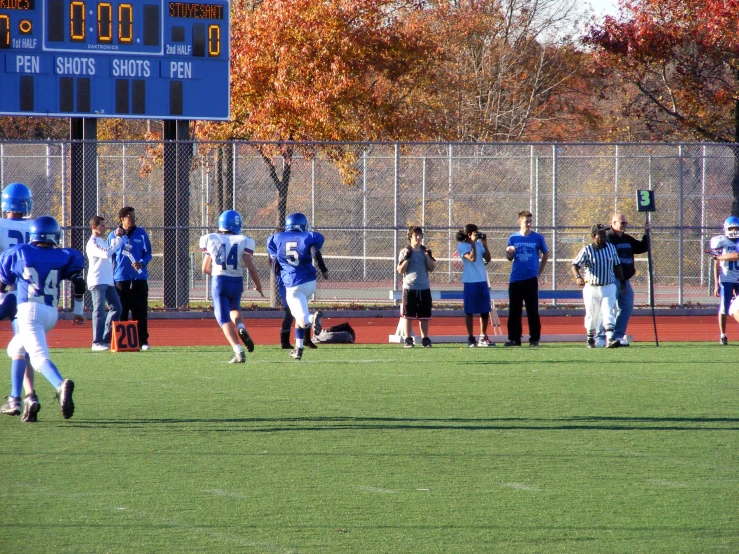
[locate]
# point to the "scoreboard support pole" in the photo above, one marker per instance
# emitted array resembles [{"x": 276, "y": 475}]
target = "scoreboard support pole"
[
  {"x": 176, "y": 257},
  {"x": 83, "y": 180}
]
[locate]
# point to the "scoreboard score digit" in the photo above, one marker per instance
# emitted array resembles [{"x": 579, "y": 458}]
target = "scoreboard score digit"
[{"x": 102, "y": 58}]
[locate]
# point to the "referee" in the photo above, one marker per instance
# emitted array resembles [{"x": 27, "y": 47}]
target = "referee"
[{"x": 603, "y": 266}]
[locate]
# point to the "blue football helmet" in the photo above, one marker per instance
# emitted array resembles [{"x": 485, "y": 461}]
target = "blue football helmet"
[
  {"x": 45, "y": 229},
  {"x": 230, "y": 220},
  {"x": 297, "y": 222},
  {"x": 17, "y": 198},
  {"x": 731, "y": 227}
]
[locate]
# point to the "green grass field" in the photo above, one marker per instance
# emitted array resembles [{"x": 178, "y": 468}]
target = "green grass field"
[{"x": 373, "y": 449}]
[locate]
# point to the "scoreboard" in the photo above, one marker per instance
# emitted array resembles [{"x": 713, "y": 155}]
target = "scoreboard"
[{"x": 147, "y": 59}]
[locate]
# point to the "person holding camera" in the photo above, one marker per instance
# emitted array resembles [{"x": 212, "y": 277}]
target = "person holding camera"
[
  {"x": 523, "y": 250},
  {"x": 100, "y": 282},
  {"x": 415, "y": 262},
  {"x": 473, "y": 249}
]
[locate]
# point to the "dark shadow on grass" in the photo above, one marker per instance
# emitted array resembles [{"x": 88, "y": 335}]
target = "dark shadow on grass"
[{"x": 584, "y": 423}]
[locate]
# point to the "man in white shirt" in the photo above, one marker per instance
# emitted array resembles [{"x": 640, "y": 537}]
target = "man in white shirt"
[{"x": 100, "y": 282}]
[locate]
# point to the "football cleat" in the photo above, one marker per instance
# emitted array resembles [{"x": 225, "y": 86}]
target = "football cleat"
[
  {"x": 308, "y": 343},
  {"x": 64, "y": 394},
  {"x": 31, "y": 407},
  {"x": 591, "y": 343},
  {"x": 624, "y": 343},
  {"x": 613, "y": 343},
  {"x": 426, "y": 342},
  {"x": 316, "y": 327},
  {"x": 408, "y": 343},
  {"x": 296, "y": 353},
  {"x": 238, "y": 358},
  {"x": 246, "y": 339},
  {"x": 723, "y": 341},
  {"x": 12, "y": 406}
]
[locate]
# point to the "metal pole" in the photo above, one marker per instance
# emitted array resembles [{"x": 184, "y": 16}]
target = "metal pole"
[
  {"x": 681, "y": 234},
  {"x": 395, "y": 213},
  {"x": 532, "y": 183},
  {"x": 554, "y": 221},
  {"x": 450, "y": 231},
  {"x": 703, "y": 216},
  {"x": 233, "y": 175},
  {"x": 364, "y": 214},
  {"x": 615, "y": 202},
  {"x": 423, "y": 195},
  {"x": 313, "y": 190},
  {"x": 123, "y": 174}
]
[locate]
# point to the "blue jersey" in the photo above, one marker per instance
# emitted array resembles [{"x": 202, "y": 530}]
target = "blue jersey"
[
  {"x": 39, "y": 272},
  {"x": 294, "y": 251},
  {"x": 526, "y": 257}
]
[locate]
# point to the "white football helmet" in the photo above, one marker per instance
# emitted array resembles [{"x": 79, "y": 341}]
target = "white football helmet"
[{"x": 731, "y": 227}]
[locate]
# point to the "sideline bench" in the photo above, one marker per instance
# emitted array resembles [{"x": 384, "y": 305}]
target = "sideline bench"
[{"x": 496, "y": 336}]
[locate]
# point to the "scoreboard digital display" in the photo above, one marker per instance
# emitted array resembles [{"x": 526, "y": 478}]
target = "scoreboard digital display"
[{"x": 130, "y": 58}]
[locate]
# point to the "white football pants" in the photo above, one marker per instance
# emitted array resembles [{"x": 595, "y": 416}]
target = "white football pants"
[
  {"x": 600, "y": 304},
  {"x": 297, "y": 301},
  {"x": 34, "y": 320}
]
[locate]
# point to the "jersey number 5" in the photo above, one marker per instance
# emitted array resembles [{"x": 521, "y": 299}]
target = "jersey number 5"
[{"x": 291, "y": 254}]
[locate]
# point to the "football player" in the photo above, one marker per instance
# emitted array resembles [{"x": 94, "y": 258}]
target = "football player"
[
  {"x": 37, "y": 269},
  {"x": 294, "y": 250},
  {"x": 17, "y": 204},
  {"x": 726, "y": 271},
  {"x": 224, "y": 253}
]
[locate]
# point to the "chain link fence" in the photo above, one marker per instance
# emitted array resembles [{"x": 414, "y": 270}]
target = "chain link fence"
[{"x": 363, "y": 197}]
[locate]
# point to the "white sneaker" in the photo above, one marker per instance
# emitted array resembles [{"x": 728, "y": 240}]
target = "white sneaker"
[
  {"x": 624, "y": 342},
  {"x": 145, "y": 347},
  {"x": 485, "y": 342},
  {"x": 100, "y": 347}
]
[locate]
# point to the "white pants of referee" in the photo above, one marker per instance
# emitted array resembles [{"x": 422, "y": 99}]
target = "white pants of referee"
[{"x": 600, "y": 304}]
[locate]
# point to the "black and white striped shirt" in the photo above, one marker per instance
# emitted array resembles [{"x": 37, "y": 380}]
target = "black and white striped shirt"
[{"x": 599, "y": 263}]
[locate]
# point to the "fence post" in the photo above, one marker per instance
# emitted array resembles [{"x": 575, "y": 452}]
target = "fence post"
[
  {"x": 449, "y": 216},
  {"x": 396, "y": 192},
  {"x": 682, "y": 231},
  {"x": 364, "y": 213},
  {"x": 703, "y": 215},
  {"x": 555, "y": 235}
]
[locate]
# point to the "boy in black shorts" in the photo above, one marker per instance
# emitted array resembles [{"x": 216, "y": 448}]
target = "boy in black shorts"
[{"x": 415, "y": 262}]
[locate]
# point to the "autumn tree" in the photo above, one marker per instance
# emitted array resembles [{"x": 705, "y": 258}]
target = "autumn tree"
[
  {"x": 511, "y": 71},
  {"x": 682, "y": 56},
  {"x": 339, "y": 70}
]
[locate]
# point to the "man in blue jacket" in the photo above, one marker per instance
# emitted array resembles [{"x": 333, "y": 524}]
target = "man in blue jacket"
[{"x": 131, "y": 274}]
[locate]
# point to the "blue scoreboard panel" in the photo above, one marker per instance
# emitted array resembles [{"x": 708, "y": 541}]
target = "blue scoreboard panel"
[{"x": 147, "y": 59}]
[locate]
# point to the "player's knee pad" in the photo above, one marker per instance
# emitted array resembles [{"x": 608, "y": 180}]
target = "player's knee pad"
[{"x": 8, "y": 307}]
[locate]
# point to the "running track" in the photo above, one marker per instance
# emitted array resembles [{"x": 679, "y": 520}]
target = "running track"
[{"x": 205, "y": 332}]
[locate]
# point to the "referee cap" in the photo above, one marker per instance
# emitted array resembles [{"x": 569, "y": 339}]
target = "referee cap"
[{"x": 597, "y": 228}]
